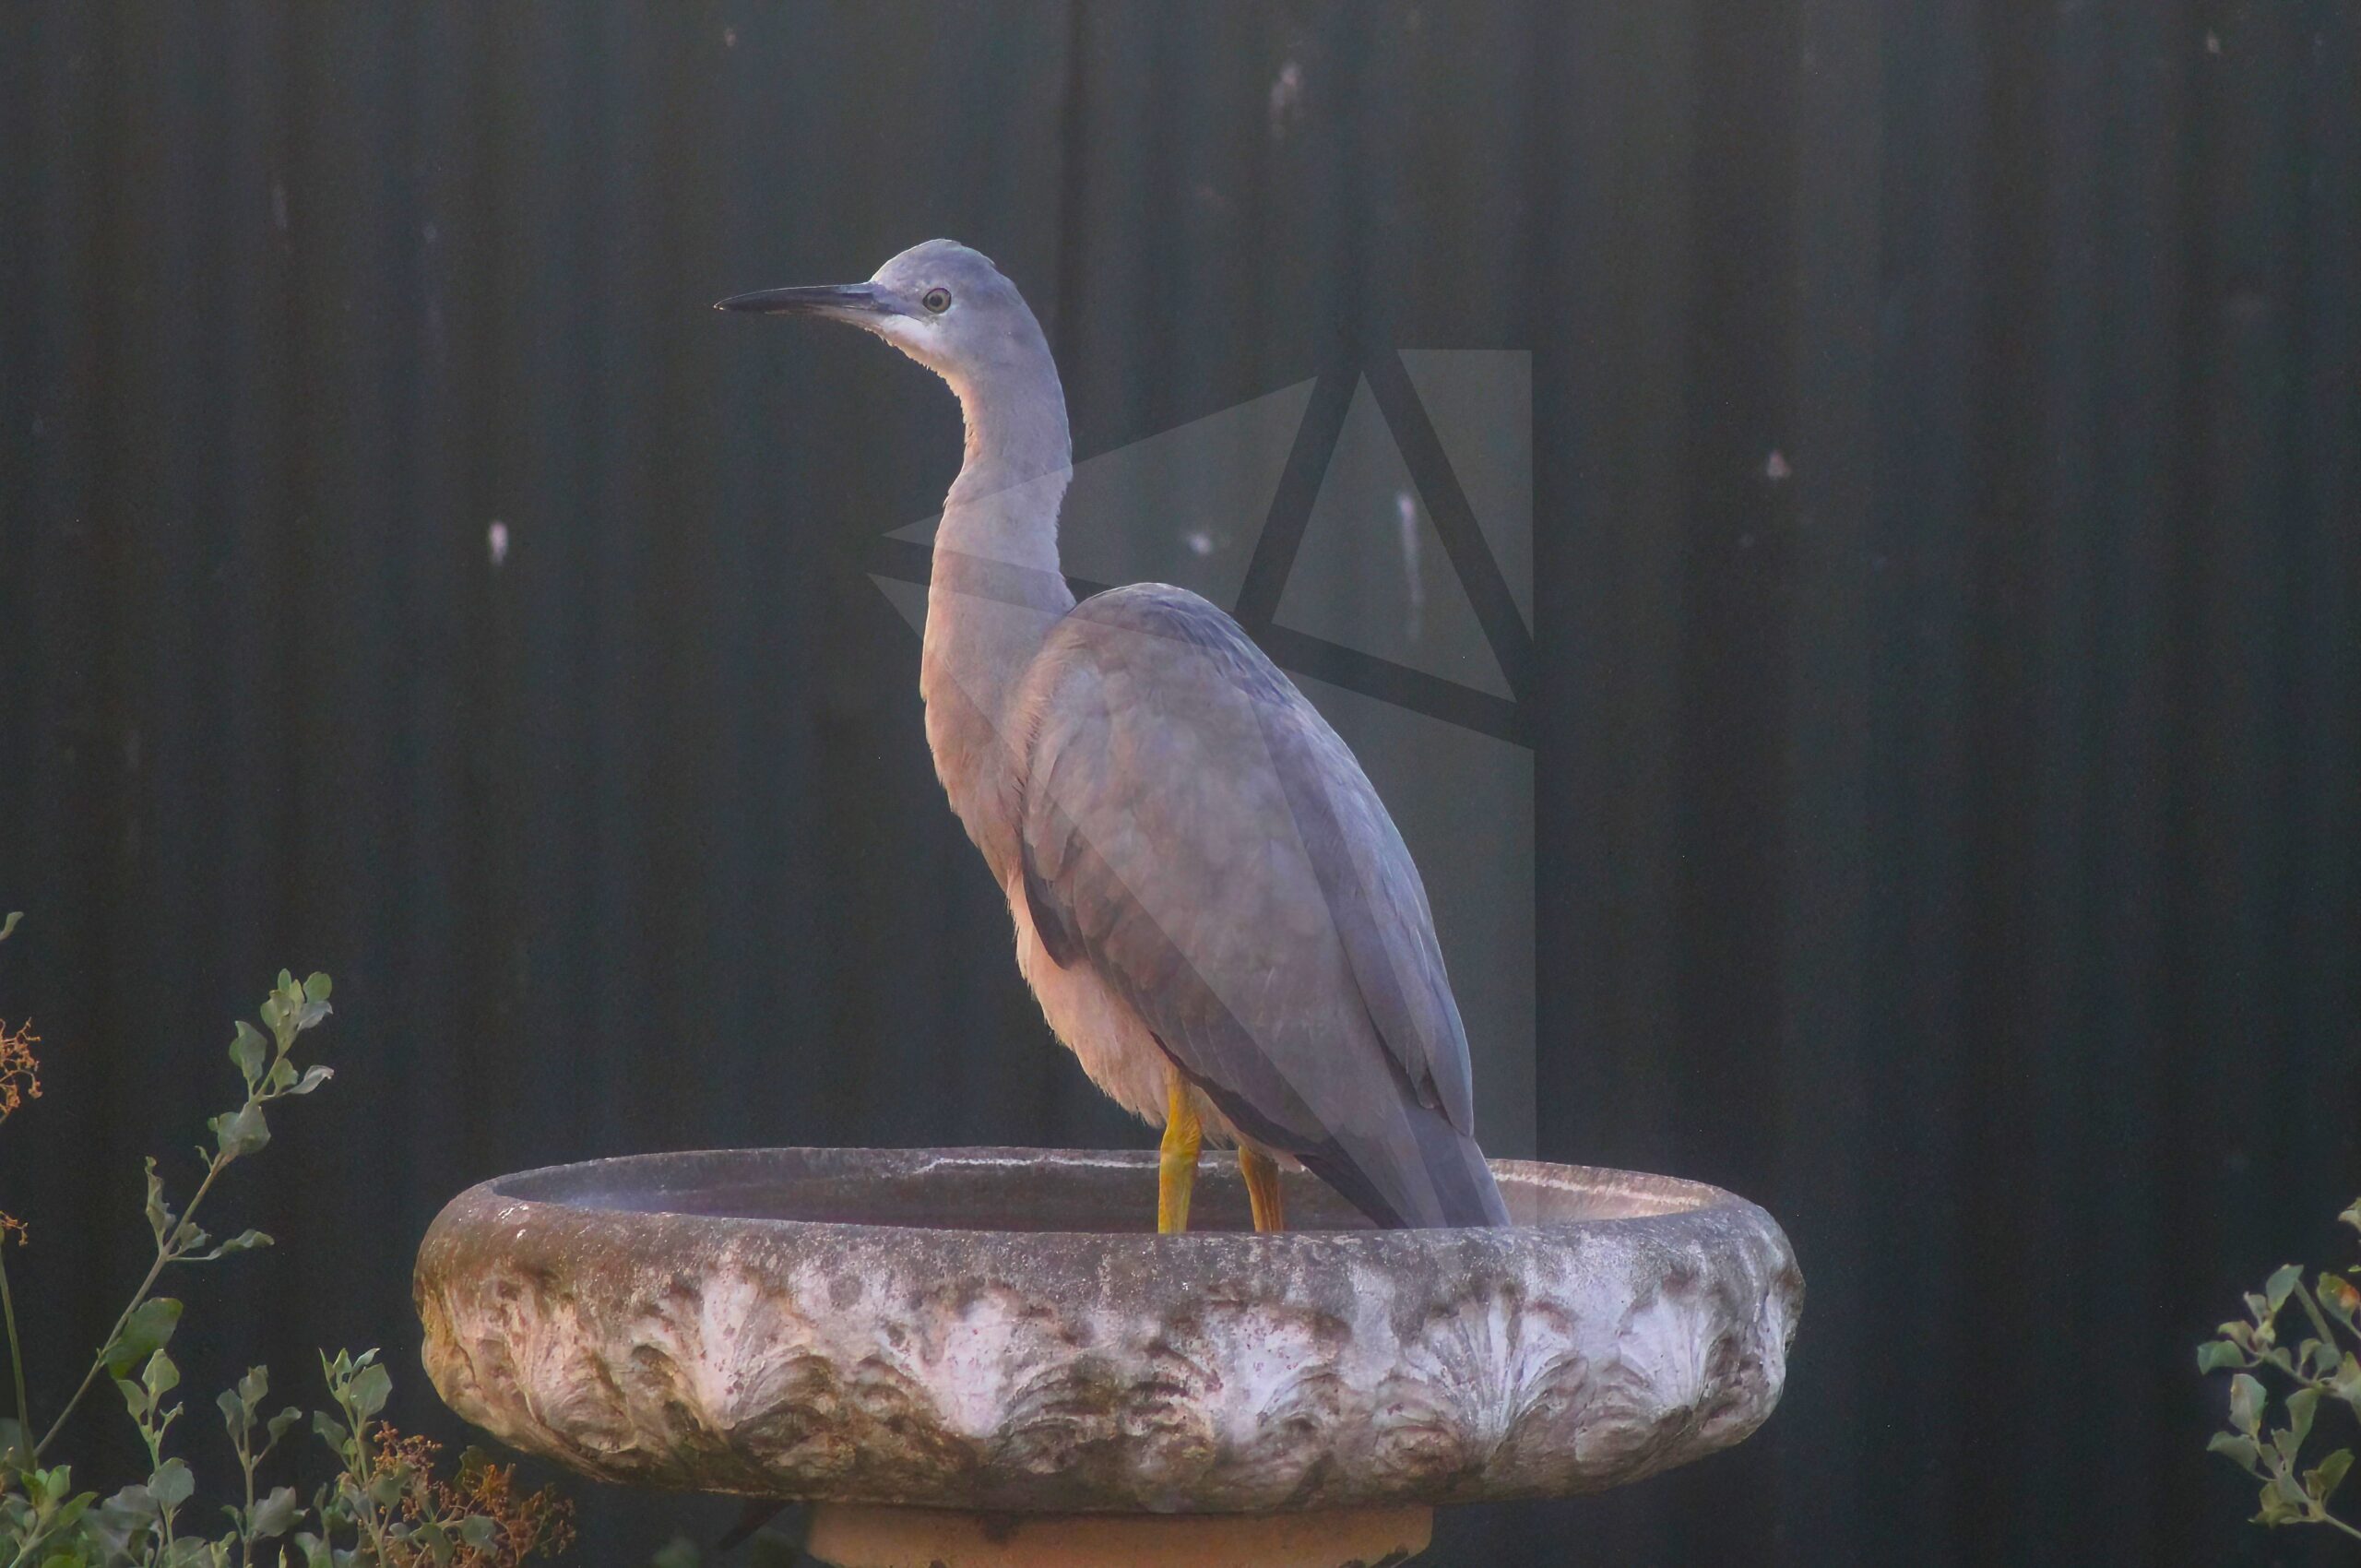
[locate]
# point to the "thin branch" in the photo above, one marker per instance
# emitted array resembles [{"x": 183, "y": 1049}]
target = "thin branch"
[
  {"x": 16, "y": 1353},
  {"x": 165, "y": 1253}
]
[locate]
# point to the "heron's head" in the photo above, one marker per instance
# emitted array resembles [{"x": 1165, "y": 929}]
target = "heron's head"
[{"x": 945, "y": 305}]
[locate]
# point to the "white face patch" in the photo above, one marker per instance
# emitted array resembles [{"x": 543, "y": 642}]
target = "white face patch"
[{"x": 922, "y": 340}]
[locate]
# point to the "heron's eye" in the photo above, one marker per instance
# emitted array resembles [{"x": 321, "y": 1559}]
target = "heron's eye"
[{"x": 936, "y": 300}]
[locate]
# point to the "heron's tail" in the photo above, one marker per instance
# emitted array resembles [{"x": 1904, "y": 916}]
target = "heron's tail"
[
  {"x": 1443, "y": 1181},
  {"x": 1465, "y": 1191}
]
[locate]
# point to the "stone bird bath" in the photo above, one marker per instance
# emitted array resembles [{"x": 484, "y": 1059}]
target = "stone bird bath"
[{"x": 971, "y": 1358}]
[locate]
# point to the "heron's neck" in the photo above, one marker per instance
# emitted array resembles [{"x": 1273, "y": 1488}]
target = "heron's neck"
[
  {"x": 1003, "y": 506},
  {"x": 995, "y": 593}
]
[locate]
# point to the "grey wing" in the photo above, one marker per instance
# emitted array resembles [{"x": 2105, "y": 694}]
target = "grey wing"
[{"x": 1195, "y": 831}]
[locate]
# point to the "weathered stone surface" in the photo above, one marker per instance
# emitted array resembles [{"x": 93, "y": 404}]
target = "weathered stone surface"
[{"x": 991, "y": 1329}]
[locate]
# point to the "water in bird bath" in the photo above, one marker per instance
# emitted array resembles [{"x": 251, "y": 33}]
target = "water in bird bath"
[
  {"x": 1014, "y": 1190},
  {"x": 999, "y": 1190}
]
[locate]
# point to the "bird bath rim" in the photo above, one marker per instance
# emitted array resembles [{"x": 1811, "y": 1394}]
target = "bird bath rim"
[
  {"x": 711, "y": 1184},
  {"x": 623, "y": 1317}
]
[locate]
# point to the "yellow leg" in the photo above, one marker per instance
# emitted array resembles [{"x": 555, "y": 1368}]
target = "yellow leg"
[
  {"x": 1176, "y": 1173},
  {"x": 1262, "y": 1173}
]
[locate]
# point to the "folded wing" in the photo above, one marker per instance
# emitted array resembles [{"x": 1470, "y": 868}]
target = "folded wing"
[{"x": 1194, "y": 830}]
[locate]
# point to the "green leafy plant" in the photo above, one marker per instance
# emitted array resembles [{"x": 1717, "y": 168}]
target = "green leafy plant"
[
  {"x": 384, "y": 1506},
  {"x": 2320, "y": 1364},
  {"x": 270, "y": 1074},
  {"x": 388, "y": 1498}
]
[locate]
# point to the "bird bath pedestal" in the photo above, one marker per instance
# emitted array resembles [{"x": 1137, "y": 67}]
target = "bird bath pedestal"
[{"x": 976, "y": 1357}]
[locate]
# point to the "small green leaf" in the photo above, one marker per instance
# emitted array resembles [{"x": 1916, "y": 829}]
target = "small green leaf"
[
  {"x": 146, "y": 1331},
  {"x": 2345, "y": 1381},
  {"x": 2300, "y": 1407},
  {"x": 371, "y": 1386},
  {"x": 242, "y": 1133},
  {"x": 277, "y": 1514},
  {"x": 172, "y": 1484},
  {"x": 2325, "y": 1477},
  {"x": 331, "y": 1431},
  {"x": 316, "y": 988},
  {"x": 243, "y": 1241},
  {"x": 313, "y": 1079},
  {"x": 282, "y": 1073},
  {"x": 2282, "y": 1281},
  {"x": 159, "y": 1213},
  {"x": 2243, "y": 1452},
  {"x": 132, "y": 1504},
  {"x": 160, "y": 1376},
  {"x": 68, "y": 1512},
  {"x": 478, "y": 1531},
  {"x": 135, "y": 1398},
  {"x": 9, "y": 924},
  {"x": 250, "y": 1052},
  {"x": 2215, "y": 1354},
  {"x": 436, "y": 1542},
  {"x": 2246, "y": 1403},
  {"x": 277, "y": 1425},
  {"x": 44, "y": 1487}
]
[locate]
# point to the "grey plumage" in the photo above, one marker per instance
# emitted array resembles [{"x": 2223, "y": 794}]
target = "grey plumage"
[
  {"x": 1201, "y": 873},
  {"x": 1193, "y": 829}
]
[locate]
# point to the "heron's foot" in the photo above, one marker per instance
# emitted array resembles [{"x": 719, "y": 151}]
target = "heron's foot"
[
  {"x": 1175, "y": 1171},
  {"x": 1262, "y": 1173}
]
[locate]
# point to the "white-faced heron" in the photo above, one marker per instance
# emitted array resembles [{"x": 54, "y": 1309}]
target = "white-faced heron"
[{"x": 1219, "y": 916}]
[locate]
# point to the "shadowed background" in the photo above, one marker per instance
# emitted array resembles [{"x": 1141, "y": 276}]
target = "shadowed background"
[{"x": 1948, "y": 605}]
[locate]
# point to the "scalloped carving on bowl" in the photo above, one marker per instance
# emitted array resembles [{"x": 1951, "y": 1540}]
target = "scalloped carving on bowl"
[{"x": 991, "y": 1329}]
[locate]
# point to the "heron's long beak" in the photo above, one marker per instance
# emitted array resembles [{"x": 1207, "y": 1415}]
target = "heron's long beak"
[{"x": 844, "y": 302}]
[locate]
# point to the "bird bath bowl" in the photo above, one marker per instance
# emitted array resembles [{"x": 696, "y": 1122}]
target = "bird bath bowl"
[{"x": 970, "y": 1358}]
